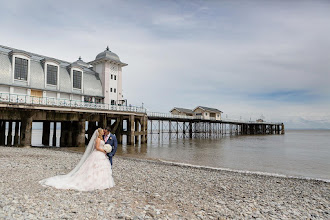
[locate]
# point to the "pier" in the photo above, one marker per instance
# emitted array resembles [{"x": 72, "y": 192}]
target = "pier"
[
  {"x": 77, "y": 97},
  {"x": 78, "y": 120},
  {"x": 178, "y": 126}
]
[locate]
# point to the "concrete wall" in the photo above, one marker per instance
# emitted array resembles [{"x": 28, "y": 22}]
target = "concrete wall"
[
  {"x": 65, "y": 96},
  {"x": 18, "y": 90},
  {"x": 76, "y": 97},
  {"x": 119, "y": 84},
  {"x": 113, "y": 70},
  {"x": 206, "y": 115},
  {"x": 51, "y": 94},
  {"x": 4, "y": 89},
  {"x": 176, "y": 112}
]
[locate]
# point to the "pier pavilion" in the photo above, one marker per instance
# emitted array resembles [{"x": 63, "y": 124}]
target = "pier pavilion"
[{"x": 37, "y": 88}]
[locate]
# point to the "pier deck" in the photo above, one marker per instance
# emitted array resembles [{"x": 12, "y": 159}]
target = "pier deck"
[{"x": 18, "y": 112}]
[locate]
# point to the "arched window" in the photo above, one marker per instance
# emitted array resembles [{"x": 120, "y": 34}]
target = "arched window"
[
  {"x": 77, "y": 76},
  {"x": 20, "y": 66},
  {"x": 52, "y": 69}
]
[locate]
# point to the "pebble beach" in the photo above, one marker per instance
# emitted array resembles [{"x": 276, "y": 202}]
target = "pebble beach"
[{"x": 149, "y": 189}]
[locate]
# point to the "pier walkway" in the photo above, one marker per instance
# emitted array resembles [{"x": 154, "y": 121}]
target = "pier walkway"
[{"x": 17, "y": 112}]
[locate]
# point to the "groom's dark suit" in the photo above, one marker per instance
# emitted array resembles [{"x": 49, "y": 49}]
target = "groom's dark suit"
[{"x": 113, "y": 142}]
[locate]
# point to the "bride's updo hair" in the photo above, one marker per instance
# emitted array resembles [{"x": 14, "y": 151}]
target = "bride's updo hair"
[{"x": 100, "y": 130}]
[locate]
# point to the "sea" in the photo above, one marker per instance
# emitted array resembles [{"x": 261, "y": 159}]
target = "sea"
[{"x": 297, "y": 153}]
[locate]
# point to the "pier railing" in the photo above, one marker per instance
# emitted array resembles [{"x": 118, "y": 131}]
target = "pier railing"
[
  {"x": 49, "y": 101},
  {"x": 199, "y": 117}
]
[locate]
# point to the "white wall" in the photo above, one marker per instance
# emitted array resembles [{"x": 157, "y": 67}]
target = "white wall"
[
  {"x": 65, "y": 96},
  {"x": 4, "y": 89},
  {"x": 113, "y": 70},
  {"x": 51, "y": 94},
  {"x": 18, "y": 90},
  {"x": 76, "y": 97}
]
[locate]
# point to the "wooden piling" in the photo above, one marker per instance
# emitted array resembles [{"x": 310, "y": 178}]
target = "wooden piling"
[
  {"x": 16, "y": 137},
  {"x": 54, "y": 134},
  {"x": 10, "y": 134},
  {"x": 2, "y": 132},
  {"x": 45, "y": 133},
  {"x": 26, "y": 131}
]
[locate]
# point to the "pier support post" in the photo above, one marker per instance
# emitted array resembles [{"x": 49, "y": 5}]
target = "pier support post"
[
  {"x": 282, "y": 129},
  {"x": 130, "y": 129},
  {"x": 54, "y": 134},
  {"x": 45, "y": 133},
  {"x": 91, "y": 129},
  {"x": 74, "y": 133},
  {"x": 103, "y": 121},
  {"x": 10, "y": 134},
  {"x": 16, "y": 137},
  {"x": 63, "y": 137},
  {"x": 117, "y": 128},
  {"x": 80, "y": 139},
  {"x": 190, "y": 129},
  {"x": 137, "y": 137},
  {"x": 2, "y": 132},
  {"x": 144, "y": 129},
  {"x": 184, "y": 129},
  {"x": 26, "y": 131},
  {"x": 69, "y": 134},
  {"x": 170, "y": 129}
]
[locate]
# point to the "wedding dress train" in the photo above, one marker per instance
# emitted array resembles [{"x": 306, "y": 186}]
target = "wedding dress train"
[{"x": 93, "y": 172}]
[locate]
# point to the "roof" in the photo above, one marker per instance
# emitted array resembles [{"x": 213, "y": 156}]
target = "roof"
[
  {"x": 209, "y": 109},
  {"x": 91, "y": 82},
  {"x": 183, "y": 110},
  {"x": 107, "y": 55}
]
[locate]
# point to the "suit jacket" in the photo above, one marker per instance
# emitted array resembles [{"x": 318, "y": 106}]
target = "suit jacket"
[{"x": 113, "y": 142}]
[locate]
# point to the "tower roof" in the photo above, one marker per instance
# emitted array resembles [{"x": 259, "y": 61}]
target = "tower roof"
[{"x": 108, "y": 56}]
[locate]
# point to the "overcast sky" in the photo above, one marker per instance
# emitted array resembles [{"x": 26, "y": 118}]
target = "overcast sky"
[{"x": 246, "y": 58}]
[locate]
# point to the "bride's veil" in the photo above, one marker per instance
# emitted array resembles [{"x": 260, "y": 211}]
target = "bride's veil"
[
  {"x": 88, "y": 151},
  {"x": 62, "y": 181}
]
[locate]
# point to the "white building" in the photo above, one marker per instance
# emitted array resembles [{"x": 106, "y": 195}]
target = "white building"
[
  {"x": 30, "y": 74},
  {"x": 199, "y": 112},
  {"x": 182, "y": 111},
  {"x": 208, "y": 113}
]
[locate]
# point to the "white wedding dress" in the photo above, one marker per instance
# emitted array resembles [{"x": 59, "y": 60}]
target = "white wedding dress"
[{"x": 93, "y": 172}]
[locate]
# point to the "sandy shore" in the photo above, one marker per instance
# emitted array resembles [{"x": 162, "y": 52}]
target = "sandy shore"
[{"x": 152, "y": 190}]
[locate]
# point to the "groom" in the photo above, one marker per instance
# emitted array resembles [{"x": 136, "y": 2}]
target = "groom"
[{"x": 112, "y": 140}]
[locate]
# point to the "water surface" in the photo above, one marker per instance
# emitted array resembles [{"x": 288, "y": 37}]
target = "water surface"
[{"x": 300, "y": 153}]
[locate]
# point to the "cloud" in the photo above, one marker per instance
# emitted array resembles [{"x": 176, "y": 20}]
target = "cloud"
[{"x": 246, "y": 59}]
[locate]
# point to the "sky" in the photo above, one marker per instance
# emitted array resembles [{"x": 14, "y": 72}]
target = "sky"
[{"x": 250, "y": 59}]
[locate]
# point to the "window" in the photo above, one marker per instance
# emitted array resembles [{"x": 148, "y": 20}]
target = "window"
[
  {"x": 113, "y": 102},
  {"x": 111, "y": 76},
  {"x": 88, "y": 99},
  {"x": 115, "y": 77},
  {"x": 98, "y": 100},
  {"x": 21, "y": 68},
  {"x": 76, "y": 79},
  {"x": 52, "y": 74},
  {"x": 110, "y": 89},
  {"x": 206, "y": 113},
  {"x": 114, "y": 90}
]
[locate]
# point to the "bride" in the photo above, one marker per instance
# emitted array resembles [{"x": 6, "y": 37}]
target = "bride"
[{"x": 92, "y": 172}]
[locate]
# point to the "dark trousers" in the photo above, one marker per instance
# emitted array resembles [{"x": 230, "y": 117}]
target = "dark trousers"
[{"x": 110, "y": 158}]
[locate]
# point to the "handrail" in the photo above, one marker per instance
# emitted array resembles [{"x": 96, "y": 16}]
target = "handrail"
[
  {"x": 49, "y": 101},
  {"x": 168, "y": 115}
]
